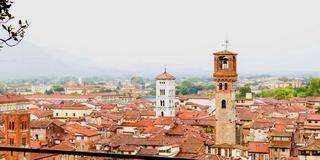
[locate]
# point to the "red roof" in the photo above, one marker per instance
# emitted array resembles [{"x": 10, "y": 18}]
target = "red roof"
[
  {"x": 315, "y": 117},
  {"x": 163, "y": 121},
  {"x": 40, "y": 113},
  {"x": 148, "y": 151},
  {"x": 12, "y": 98},
  {"x": 165, "y": 76},
  {"x": 258, "y": 147},
  {"x": 225, "y": 52},
  {"x": 63, "y": 146},
  {"x": 78, "y": 129}
]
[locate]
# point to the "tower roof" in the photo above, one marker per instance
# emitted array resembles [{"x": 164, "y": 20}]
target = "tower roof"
[
  {"x": 225, "y": 52},
  {"x": 165, "y": 76}
]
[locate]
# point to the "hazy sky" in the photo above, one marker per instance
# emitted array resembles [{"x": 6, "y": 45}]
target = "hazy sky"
[{"x": 269, "y": 35}]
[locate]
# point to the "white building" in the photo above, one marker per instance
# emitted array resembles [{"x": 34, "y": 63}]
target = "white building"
[
  {"x": 64, "y": 111},
  {"x": 13, "y": 103},
  {"x": 165, "y": 95}
]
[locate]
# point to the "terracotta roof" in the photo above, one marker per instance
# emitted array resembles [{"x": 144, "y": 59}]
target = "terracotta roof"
[
  {"x": 315, "y": 117},
  {"x": 165, "y": 76},
  {"x": 141, "y": 123},
  {"x": 40, "y": 113},
  {"x": 40, "y": 123},
  {"x": 152, "y": 130},
  {"x": 163, "y": 121},
  {"x": 63, "y": 146},
  {"x": 180, "y": 130},
  {"x": 192, "y": 115},
  {"x": 36, "y": 156},
  {"x": 194, "y": 148},
  {"x": 225, "y": 52},
  {"x": 258, "y": 147},
  {"x": 148, "y": 151},
  {"x": 108, "y": 106},
  {"x": 78, "y": 129},
  {"x": 261, "y": 124},
  {"x": 12, "y": 98},
  {"x": 75, "y": 106},
  {"x": 280, "y": 144},
  {"x": 58, "y": 96},
  {"x": 58, "y": 122},
  {"x": 128, "y": 148}
]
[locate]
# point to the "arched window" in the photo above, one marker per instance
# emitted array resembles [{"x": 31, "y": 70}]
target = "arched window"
[
  {"x": 224, "y": 64},
  {"x": 220, "y": 86},
  {"x": 225, "y": 86},
  {"x": 162, "y": 114},
  {"x": 162, "y": 103},
  {"x": 223, "y": 104},
  {"x": 162, "y": 92}
]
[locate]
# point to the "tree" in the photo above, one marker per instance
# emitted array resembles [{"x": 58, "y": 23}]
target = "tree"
[
  {"x": 284, "y": 93},
  {"x": 49, "y": 92},
  {"x": 13, "y": 33},
  {"x": 243, "y": 91},
  {"x": 57, "y": 88},
  {"x": 312, "y": 89},
  {"x": 314, "y": 86},
  {"x": 209, "y": 86},
  {"x": 3, "y": 88}
]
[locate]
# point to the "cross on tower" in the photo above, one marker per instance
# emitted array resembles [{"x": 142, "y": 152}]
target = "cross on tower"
[{"x": 226, "y": 45}]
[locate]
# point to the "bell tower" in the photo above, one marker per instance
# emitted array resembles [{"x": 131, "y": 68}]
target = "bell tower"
[
  {"x": 165, "y": 95},
  {"x": 225, "y": 76}
]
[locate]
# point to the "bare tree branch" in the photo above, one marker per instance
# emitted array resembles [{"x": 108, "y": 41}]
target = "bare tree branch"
[{"x": 14, "y": 36}]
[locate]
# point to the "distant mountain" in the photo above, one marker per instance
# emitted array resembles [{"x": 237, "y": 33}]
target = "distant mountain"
[
  {"x": 31, "y": 61},
  {"x": 27, "y": 60}
]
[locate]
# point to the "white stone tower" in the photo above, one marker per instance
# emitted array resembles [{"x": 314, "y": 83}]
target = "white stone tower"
[{"x": 165, "y": 95}]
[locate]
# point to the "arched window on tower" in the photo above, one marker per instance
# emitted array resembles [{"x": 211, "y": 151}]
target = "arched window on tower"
[
  {"x": 162, "y": 103},
  {"x": 224, "y": 62},
  {"x": 225, "y": 86},
  {"x": 223, "y": 104},
  {"x": 220, "y": 86}
]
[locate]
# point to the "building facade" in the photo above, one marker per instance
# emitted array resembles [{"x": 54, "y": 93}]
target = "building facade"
[{"x": 17, "y": 132}]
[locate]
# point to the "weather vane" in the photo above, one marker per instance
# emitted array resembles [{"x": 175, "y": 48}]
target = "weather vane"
[{"x": 226, "y": 45}]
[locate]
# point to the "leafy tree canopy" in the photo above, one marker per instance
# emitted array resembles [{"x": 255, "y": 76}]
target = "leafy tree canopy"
[
  {"x": 243, "y": 91},
  {"x": 57, "y": 88},
  {"x": 312, "y": 89}
]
